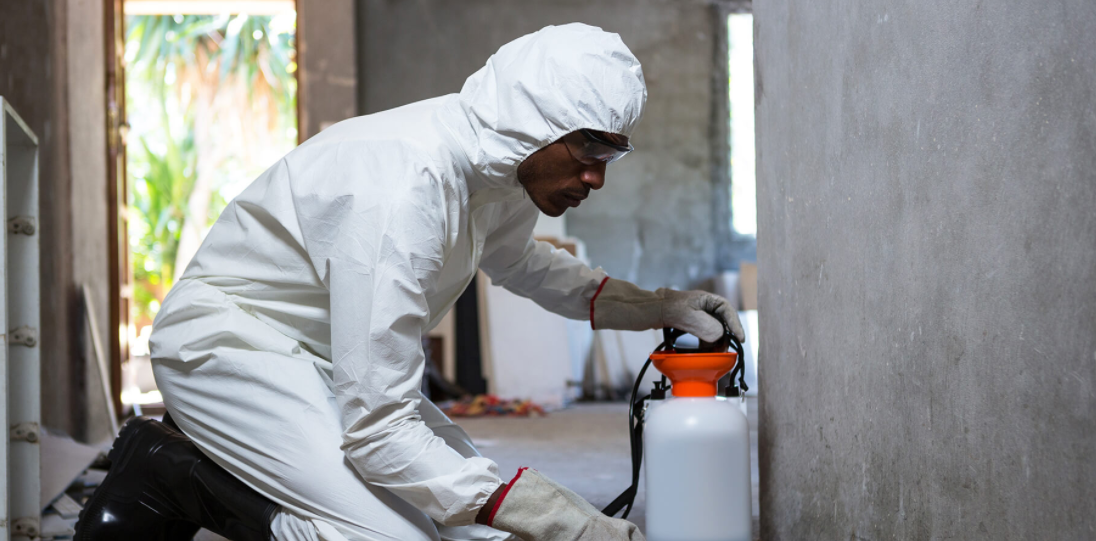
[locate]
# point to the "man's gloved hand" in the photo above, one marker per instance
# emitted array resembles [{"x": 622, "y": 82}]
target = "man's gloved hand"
[
  {"x": 624, "y": 306},
  {"x": 535, "y": 508}
]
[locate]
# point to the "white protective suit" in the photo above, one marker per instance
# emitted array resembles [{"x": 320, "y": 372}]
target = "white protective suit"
[{"x": 290, "y": 352}]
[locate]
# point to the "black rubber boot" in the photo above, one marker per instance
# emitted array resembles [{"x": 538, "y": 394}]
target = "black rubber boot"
[{"x": 160, "y": 487}]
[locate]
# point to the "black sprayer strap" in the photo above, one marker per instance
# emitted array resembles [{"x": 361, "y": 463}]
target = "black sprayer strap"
[
  {"x": 670, "y": 336},
  {"x": 740, "y": 365},
  {"x": 635, "y": 440},
  {"x": 625, "y": 498}
]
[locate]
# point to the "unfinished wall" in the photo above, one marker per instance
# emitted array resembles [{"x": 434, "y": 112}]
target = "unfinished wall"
[
  {"x": 652, "y": 223},
  {"x": 51, "y": 69},
  {"x": 30, "y": 75},
  {"x": 927, "y": 246},
  {"x": 328, "y": 79}
]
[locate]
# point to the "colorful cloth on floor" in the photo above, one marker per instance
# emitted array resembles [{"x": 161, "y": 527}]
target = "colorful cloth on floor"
[{"x": 491, "y": 405}]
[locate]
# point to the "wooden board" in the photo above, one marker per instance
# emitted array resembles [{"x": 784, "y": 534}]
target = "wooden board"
[{"x": 747, "y": 284}]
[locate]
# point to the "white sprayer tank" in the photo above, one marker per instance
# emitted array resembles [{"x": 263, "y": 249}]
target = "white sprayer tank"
[{"x": 696, "y": 452}]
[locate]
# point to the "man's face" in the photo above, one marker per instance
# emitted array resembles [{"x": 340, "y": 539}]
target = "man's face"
[{"x": 556, "y": 180}]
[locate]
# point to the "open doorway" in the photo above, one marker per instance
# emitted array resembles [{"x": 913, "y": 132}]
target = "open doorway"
[{"x": 211, "y": 102}]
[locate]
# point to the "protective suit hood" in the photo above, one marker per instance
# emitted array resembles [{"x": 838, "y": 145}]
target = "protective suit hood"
[{"x": 539, "y": 88}]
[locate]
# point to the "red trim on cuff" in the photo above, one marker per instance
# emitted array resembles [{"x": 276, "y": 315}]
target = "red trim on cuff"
[
  {"x": 505, "y": 491},
  {"x": 599, "y": 288}
]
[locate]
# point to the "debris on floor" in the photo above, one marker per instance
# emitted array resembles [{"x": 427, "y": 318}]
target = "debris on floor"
[
  {"x": 59, "y": 517},
  {"x": 70, "y": 472}
]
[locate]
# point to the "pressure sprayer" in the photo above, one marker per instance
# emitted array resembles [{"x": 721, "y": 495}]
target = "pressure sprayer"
[{"x": 697, "y": 444}]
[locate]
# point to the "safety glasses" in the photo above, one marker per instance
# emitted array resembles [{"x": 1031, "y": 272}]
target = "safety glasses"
[{"x": 590, "y": 148}]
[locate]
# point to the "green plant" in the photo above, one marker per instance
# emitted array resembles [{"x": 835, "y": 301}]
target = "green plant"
[
  {"x": 211, "y": 101},
  {"x": 162, "y": 182}
]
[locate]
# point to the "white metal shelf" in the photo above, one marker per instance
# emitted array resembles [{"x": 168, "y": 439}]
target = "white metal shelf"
[{"x": 20, "y": 358}]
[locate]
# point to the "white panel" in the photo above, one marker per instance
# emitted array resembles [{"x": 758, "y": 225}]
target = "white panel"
[
  {"x": 527, "y": 349},
  {"x": 22, "y": 361},
  {"x": 749, "y": 324},
  {"x": 5, "y": 482}
]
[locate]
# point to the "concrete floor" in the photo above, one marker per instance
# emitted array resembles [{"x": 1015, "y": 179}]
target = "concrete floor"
[{"x": 584, "y": 447}]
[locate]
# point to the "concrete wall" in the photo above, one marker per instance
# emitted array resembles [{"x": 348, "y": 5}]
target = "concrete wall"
[
  {"x": 27, "y": 76},
  {"x": 653, "y": 221},
  {"x": 927, "y": 247},
  {"x": 51, "y": 69},
  {"x": 328, "y": 79}
]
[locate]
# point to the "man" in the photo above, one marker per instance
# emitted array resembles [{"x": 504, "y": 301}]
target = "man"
[{"x": 289, "y": 352}]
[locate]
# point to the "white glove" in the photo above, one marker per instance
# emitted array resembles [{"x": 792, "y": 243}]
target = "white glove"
[
  {"x": 535, "y": 508},
  {"x": 623, "y": 306}
]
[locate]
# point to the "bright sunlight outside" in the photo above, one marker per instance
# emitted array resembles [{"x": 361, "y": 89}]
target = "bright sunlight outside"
[
  {"x": 741, "y": 83},
  {"x": 211, "y": 102}
]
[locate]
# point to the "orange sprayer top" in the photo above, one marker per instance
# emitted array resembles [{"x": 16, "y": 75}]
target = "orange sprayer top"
[{"x": 694, "y": 374}]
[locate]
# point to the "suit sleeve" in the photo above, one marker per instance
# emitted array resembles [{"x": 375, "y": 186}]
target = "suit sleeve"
[{"x": 552, "y": 278}]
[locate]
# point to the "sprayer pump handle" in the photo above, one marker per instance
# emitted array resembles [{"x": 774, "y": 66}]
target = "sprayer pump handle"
[{"x": 670, "y": 335}]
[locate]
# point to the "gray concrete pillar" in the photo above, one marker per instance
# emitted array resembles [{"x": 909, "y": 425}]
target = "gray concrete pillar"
[{"x": 927, "y": 252}]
